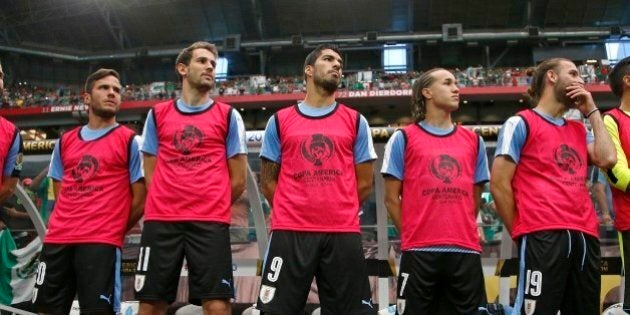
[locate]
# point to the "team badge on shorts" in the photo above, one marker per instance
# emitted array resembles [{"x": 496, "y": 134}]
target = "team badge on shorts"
[
  {"x": 34, "y": 295},
  {"x": 267, "y": 293},
  {"x": 400, "y": 306},
  {"x": 139, "y": 283},
  {"x": 530, "y": 306}
]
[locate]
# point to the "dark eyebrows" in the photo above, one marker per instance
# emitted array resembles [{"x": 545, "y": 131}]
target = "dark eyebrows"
[
  {"x": 106, "y": 86},
  {"x": 331, "y": 56},
  {"x": 203, "y": 59}
]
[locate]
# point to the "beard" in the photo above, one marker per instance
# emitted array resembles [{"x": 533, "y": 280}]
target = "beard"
[
  {"x": 328, "y": 85},
  {"x": 201, "y": 85},
  {"x": 560, "y": 92},
  {"x": 102, "y": 112}
]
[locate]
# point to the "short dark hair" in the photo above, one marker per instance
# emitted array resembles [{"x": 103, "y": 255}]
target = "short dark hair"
[
  {"x": 185, "y": 55},
  {"x": 97, "y": 75},
  {"x": 313, "y": 55},
  {"x": 538, "y": 78},
  {"x": 615, "y": 78}
]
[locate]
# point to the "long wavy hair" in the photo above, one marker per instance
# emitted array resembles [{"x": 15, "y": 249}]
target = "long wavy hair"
[{"x": 418, "y": 105}]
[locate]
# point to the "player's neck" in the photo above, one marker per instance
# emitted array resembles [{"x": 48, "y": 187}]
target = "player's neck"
[
  {"x": 549, "y": 105},
  {"x": 438, "y": 119},
  {"x": 625, "y": 102},
  {"x": 194, "y": 97},
  {"x": 96, "y": 123},
  {"x": 318, "y": 99}
]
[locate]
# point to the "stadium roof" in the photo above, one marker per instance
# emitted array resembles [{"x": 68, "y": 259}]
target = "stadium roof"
[{"x": 90, "y": 27}]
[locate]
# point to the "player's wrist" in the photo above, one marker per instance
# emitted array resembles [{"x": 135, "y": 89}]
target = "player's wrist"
[{"x": 589, "y": 113}]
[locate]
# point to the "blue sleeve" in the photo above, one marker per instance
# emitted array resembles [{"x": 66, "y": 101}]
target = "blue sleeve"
[
  {"x": 394, "y": 157},
  {"x": 150, "y": 144},
  {"x": 13, "y": 163},
  {"x": 590, "y": 138},
  {"x": 512, "y": 137},
  {"x": 135, "y": 168},
  {"x": 482, "y": 174},
  {"x": 601, "y": 177},
  {"x": 236, "y": 141},
  {"x": 55, "y": 171},
  {"x": 364, "y": 146},
  {"x": 270, "y": 148}
]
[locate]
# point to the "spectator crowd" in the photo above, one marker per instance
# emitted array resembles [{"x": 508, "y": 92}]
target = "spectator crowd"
[{"x": 23, "y": 94}]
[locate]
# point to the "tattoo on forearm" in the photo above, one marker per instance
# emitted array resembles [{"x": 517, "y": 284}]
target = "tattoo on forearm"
[{"x": 269, "y": 171}]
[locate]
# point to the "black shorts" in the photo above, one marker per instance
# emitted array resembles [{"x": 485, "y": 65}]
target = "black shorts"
[
  {"x": 559, "y": 270},
  {"x": 624, "y": 245},
  {"x": 163, "y": 247},
  {"x": 91, "y": 271},
  {"x": 440, "y": 283},
  {"x": 335, "y": 259}
]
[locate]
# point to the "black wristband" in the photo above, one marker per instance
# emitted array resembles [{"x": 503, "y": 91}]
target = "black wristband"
[{"x": 591, "y": 113}]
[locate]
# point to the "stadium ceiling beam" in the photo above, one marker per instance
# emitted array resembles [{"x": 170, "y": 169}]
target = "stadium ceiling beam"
[
  {"x": 410, "y": 15},
  {"x": 545, "y": 13},
  {"x": 527, "y": 16},
  {"x": 131, "y": 4},
  {"x": 46, "y": 13},
  {"x": 41, "y": 12},
  {"x": 221, "y": 14},
  {"x": 501, "y": 55},
  {"x": 350, "y": 40},
  {"x": 114, "y": 26},
  {"x": 206, "y": 18},
  {"x": 258, "y": 18}
]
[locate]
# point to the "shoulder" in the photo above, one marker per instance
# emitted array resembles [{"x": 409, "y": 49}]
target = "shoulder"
[
  {"x": 159, "y": 108},
  {"x": 345, "y": 107},
  {"x": 349, "y": 112},
  {"x": 287, "y": 109},
  {"x": 71, "y": 132},
  {"x": 285, "y": 113},
  {"x": 223, "y": 106},
  {"x": 6, "y": 122},
  {"x": 514, "y": 121},
  {"x": 465, "y": 131},
  {"x": 126, "y": 131}
]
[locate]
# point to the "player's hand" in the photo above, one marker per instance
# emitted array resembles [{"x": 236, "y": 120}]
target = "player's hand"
[
  {"x": 11, "y": 211},
  {"x": 581, "y": 97},
  {"x": 606, "y": 219}
]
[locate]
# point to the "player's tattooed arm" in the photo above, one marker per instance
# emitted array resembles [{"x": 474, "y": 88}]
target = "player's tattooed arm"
[{"x": 269, "y": 178}]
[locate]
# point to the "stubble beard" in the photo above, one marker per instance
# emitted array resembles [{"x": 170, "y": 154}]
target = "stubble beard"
[{"x": 330, "y": 85}]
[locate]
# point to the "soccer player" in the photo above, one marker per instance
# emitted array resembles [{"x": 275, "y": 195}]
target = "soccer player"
[
  {"x": 10, "y": 154},
  {"x": 434, "y": 175},
  {"x": 100, "y": 195},
  {"x": 195, "y": 164},
  {"x": 617, "y": 122},
  {"x": 538, "y": 181},
  {"x": 317, "y": 168}
]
